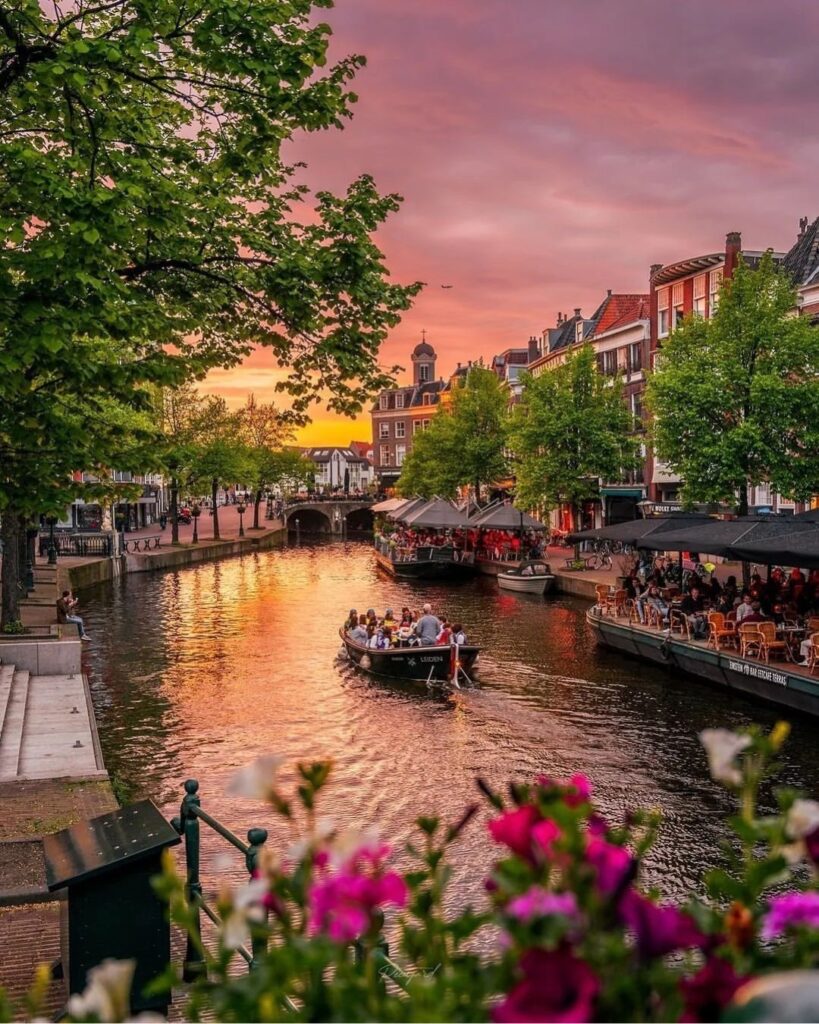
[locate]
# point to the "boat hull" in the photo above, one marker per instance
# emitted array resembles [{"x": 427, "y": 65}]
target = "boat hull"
[
  {"x": 526, "y": 584},
  {"x": 774, "y": 683},
  {"x": 410, "y": 663},
  {"x": 428, "y": 569}
]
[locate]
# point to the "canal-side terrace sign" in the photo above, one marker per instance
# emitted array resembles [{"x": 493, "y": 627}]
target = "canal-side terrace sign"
[{"x": 758, "y": 672}]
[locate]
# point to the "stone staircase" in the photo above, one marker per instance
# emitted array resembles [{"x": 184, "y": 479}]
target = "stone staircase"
[{"x": 46, "y": 730}]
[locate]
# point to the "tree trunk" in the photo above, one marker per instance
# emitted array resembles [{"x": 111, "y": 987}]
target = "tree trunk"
[
  {"x": 10, "y": 534},
  {"x": 256, "y": 505},
  {"x": 477, "y": 492},
  {"x": 214, "y": 490},
  {"x": 174, "y": 510},
  {"x": 742, "y": 506}
]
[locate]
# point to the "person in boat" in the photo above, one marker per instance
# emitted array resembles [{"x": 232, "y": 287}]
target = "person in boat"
[
  {"x": 388, "y": 621},
  {"x": 527, "y": 571},
  {"x": 427, "y": 627},
  {"x": 359, "y": 631},
  {"x": 406, "y": 618},
  {"x": 352, "y": 620},
  {"x": 445, "y": 635},
  {"x": 458, "y": 636},
  {"x": 372, "y": 618},
  {"x": 387, "y": 639}
]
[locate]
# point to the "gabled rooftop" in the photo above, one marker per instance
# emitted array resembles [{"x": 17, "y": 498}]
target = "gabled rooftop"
[{"x": 802, "y": 260}]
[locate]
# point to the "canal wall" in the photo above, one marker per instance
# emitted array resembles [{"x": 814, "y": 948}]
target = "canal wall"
[{"x": 101, "y": 570}]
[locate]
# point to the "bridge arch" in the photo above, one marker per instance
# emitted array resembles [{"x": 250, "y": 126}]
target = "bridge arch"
[
  {"x": 309, "y": 519},
  {"x": 330, "y": 516}
]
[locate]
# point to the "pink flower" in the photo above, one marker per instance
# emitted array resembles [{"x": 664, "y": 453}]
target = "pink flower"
[
  {"x": 514, "y": 829},
  {"x": 658, "y": 930},
  {"x": 545, "y": 834},
  {"x": 707, "y": 992},
  {"x": 538, "y": 902},
  {"x": 556, "y": 986},
  {"x": 342, "y": 905},
  {"x": 791, "y": 910},
  {"x": 582, "y": 790},
  {"x": 614, "y": 865}
]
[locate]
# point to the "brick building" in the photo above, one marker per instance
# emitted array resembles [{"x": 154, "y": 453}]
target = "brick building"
[
  {"x": 400, "y": 413},
  {"x": 802, "y": 263}
]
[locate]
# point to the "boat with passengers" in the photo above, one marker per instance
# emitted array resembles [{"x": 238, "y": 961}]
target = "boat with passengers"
[
  {"x": 418, "y": 539},
  {"x": 439, "y": 662}
]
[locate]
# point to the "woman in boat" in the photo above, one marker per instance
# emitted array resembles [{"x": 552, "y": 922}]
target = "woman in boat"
[
  {"x": 445, "y": 635},
  {"x": 359, "y": 632},
  {"x": 388, "y": 621},
  {"x": 406, "y": 618},
  {"x": 458, "y": 636},
  {"x": 352, "y": 620}
]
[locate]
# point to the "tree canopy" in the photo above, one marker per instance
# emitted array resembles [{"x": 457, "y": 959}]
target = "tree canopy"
[
  {"x": 151, "y": 229},
  {"x": 736, "y": 398},
  {"x": 465, "y": 441},
  {"x": 571, "y": 430}
]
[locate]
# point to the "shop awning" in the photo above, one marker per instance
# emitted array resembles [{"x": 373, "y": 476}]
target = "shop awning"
[
  {"x": 389, "y": 505},
  {"x": 724, "y": 537},
  {"x": 504, "y": 517},
  {"x": 622, "y": 492},
  {"x": 632, "y": 532},
  {"x": 406, "y": 506},
  {"x": 436, "y": 514},
  {"x": 797, "y": 547}
]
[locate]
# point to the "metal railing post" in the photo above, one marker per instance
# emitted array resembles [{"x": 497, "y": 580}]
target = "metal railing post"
[
  {"x": 256, "y": 838},
  {"x": 194, "y": 965}
]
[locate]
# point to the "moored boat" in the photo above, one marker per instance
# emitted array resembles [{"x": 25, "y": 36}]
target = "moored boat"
[
  {"x": 533, "y": 577},
  {"x": 424, "y": 563},
  {"x": 781, "y": 683},
  {"x": 412, "y": 663}
]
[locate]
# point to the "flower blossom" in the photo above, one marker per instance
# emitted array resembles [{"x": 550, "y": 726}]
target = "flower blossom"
[
  {"x": 342, "y": 904},
  {"x": 577, "y": 788},
  {"x": 722, "y": 747},
  {"x": 614, "y": 865},
  {"x": 791, "y": 910},
  {"x": 658, "y": 929},
  {"x": 556, "y": 986},
  {"x": 514, "y": 829},
  {"x": 707, "y": 992},
  {"x": 539, "y": 902},
  {"x": 802, "y": 819},
  {"x": 257, "y": 781},
  {"x": 107, "y": 994}
]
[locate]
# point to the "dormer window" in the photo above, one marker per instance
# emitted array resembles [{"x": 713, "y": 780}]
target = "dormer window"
[
  {"x": 427, "y": 399},
  {"x": 384, "y": 403},
  {"x": 578, "y": 331},
  {"x": 399, "y": 401}
]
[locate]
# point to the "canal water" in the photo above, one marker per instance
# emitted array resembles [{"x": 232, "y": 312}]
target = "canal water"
[{"x": 197, "y": 672}]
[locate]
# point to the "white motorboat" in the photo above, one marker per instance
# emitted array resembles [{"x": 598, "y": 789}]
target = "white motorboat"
[{"x": 528, "y": 578}]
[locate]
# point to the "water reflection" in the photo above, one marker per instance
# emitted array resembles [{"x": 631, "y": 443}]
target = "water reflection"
[{"x": 195, "y": 673}]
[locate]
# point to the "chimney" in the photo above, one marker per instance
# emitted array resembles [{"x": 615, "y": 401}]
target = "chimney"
[
  {"x": 733, "y": 245},
  {"x": 559, "y": 319},
  {"x": 608, "y": 293},
  {"x": 577, "y": 310},
  {"x": 534, "y": 349},
  {"x": 655, "y": 269},
  {"x": 803, "y": 225}
]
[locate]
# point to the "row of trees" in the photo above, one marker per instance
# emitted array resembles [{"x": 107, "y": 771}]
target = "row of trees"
[
  {"x": 734, "y": 403},
  {"x": 151, "y": 230}
]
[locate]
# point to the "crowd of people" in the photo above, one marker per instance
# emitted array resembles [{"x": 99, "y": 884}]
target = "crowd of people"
[
  {"x": 410, "y": 629},
  {"x": 783, "y": 598},
  {"x": 495, "y": 544}
]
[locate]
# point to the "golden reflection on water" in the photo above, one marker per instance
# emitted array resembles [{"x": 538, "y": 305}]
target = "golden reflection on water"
[{"x": 197, "y": 672}]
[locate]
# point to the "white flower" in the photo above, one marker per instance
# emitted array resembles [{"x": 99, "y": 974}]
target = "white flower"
[
  {"x": 802, "y": 819},
  {"x": 722, "y": 747},
  {"x": 257, "y": 781},
  {"x": 323, "y": 832},
  {"x": 349, "y": 841},
  {"x": 107, "y": 993},
  {"x": 246, "y": 907}
]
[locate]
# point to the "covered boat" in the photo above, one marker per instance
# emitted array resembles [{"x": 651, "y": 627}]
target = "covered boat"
[
  {"x": 441, "y": 662},
  {"x": 532, "y": 577},
  {"x": 426, "y": 561}
]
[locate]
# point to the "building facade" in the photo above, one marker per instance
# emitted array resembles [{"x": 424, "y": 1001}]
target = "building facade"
[
  {"x": 340, "y": 468},
  {"x": 400, "y": 413}
]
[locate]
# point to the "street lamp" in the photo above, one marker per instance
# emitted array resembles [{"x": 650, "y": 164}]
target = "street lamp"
[
  {"x": 196, "y": 511},
  {"x": 241, "y": 508},
  {"x": 52, "y": 547}
]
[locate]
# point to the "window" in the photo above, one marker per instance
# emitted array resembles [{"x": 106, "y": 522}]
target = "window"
[
  {"x": 384, "y": 403},
  {"x": 716, "y": 284},
  {"x": 416, "y": 426},
  {"x": 385, "y": 455},
  {"x": 662, "y": 323},
  {"x": 699, "y": 306},
  {"x": 610, "y": 362},
  {"x": 426, "y": 424},
  {"x": 635, "y": 357},
  {"x": 635, "y": 403},
  {"x": 424, "y": 372},
  {"x": 678, "y": 316},
  {"x": 400, "y": 429},
  {"x": 578, "y": 331},
  {"x": 428, "y": 399},
  {"x": 383, "y": 430},
  {"x": 677, "y": 294},
  {"x": 399, "y": 401},
  {"x": 400, "y": 452}
]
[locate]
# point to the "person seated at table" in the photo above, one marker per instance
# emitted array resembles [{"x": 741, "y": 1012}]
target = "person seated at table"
[
  {"x": 755, "y": 615},
  {"x": 692, "y": 607},
  {"x": 744, "y": 609},
  {"x": 359, "y": 632},
  {"x": 445, "y": 635},
  {"x": 777, "y": 613},
  {"x": 458, "y": 636},
  {"x": 652, "y": 598},
  {"x": 713, "y": 589}
]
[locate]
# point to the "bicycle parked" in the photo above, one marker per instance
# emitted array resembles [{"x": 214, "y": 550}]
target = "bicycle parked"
[{"x": 600, "y": 558}]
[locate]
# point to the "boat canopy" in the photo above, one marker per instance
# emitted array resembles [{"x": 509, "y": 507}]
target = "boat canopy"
[
  {"x": 504, "y": 517},
  {"x": 636, "y": 529},
  {"x": 722, "y": 536},
  {"x": 437, "y": 514},
  {"x": 389, "y": 505}
]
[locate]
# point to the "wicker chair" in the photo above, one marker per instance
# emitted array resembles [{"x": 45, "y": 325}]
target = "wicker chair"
[
  {"x": 604, "y": 600},
  {"x": 620, "y": 603},
  {"x": 720, "y": 634},
  {"x": 750, "y": 639},
  {"x": 767, "y": 631},
  {"x": 812, "y": 664},
  {"x": 678, "y": 623}
]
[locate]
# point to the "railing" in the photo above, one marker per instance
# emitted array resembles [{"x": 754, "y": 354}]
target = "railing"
[
  {"x": 79, "y": 545},
  {"x": 149, "y": 543},
  {"x": 187, "y": 825}
]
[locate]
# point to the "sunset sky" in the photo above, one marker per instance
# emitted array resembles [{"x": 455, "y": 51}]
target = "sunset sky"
[{"x": 550, "y": 149}]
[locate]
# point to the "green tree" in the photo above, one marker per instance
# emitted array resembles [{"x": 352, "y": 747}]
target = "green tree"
[
  {"x": 265, "y": 430},
  {"x": 180, "y": 412},
  {"x": 218, "y": 454},
  {"x": 465, "y": 442},
  {"x": 150, "y": 228},
  {"x": 570, "y": 430},
  {"x": 736, "y": 398}
]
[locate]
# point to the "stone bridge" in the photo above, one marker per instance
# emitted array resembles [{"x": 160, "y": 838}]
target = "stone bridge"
[{"x": 334, "y": 516}]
